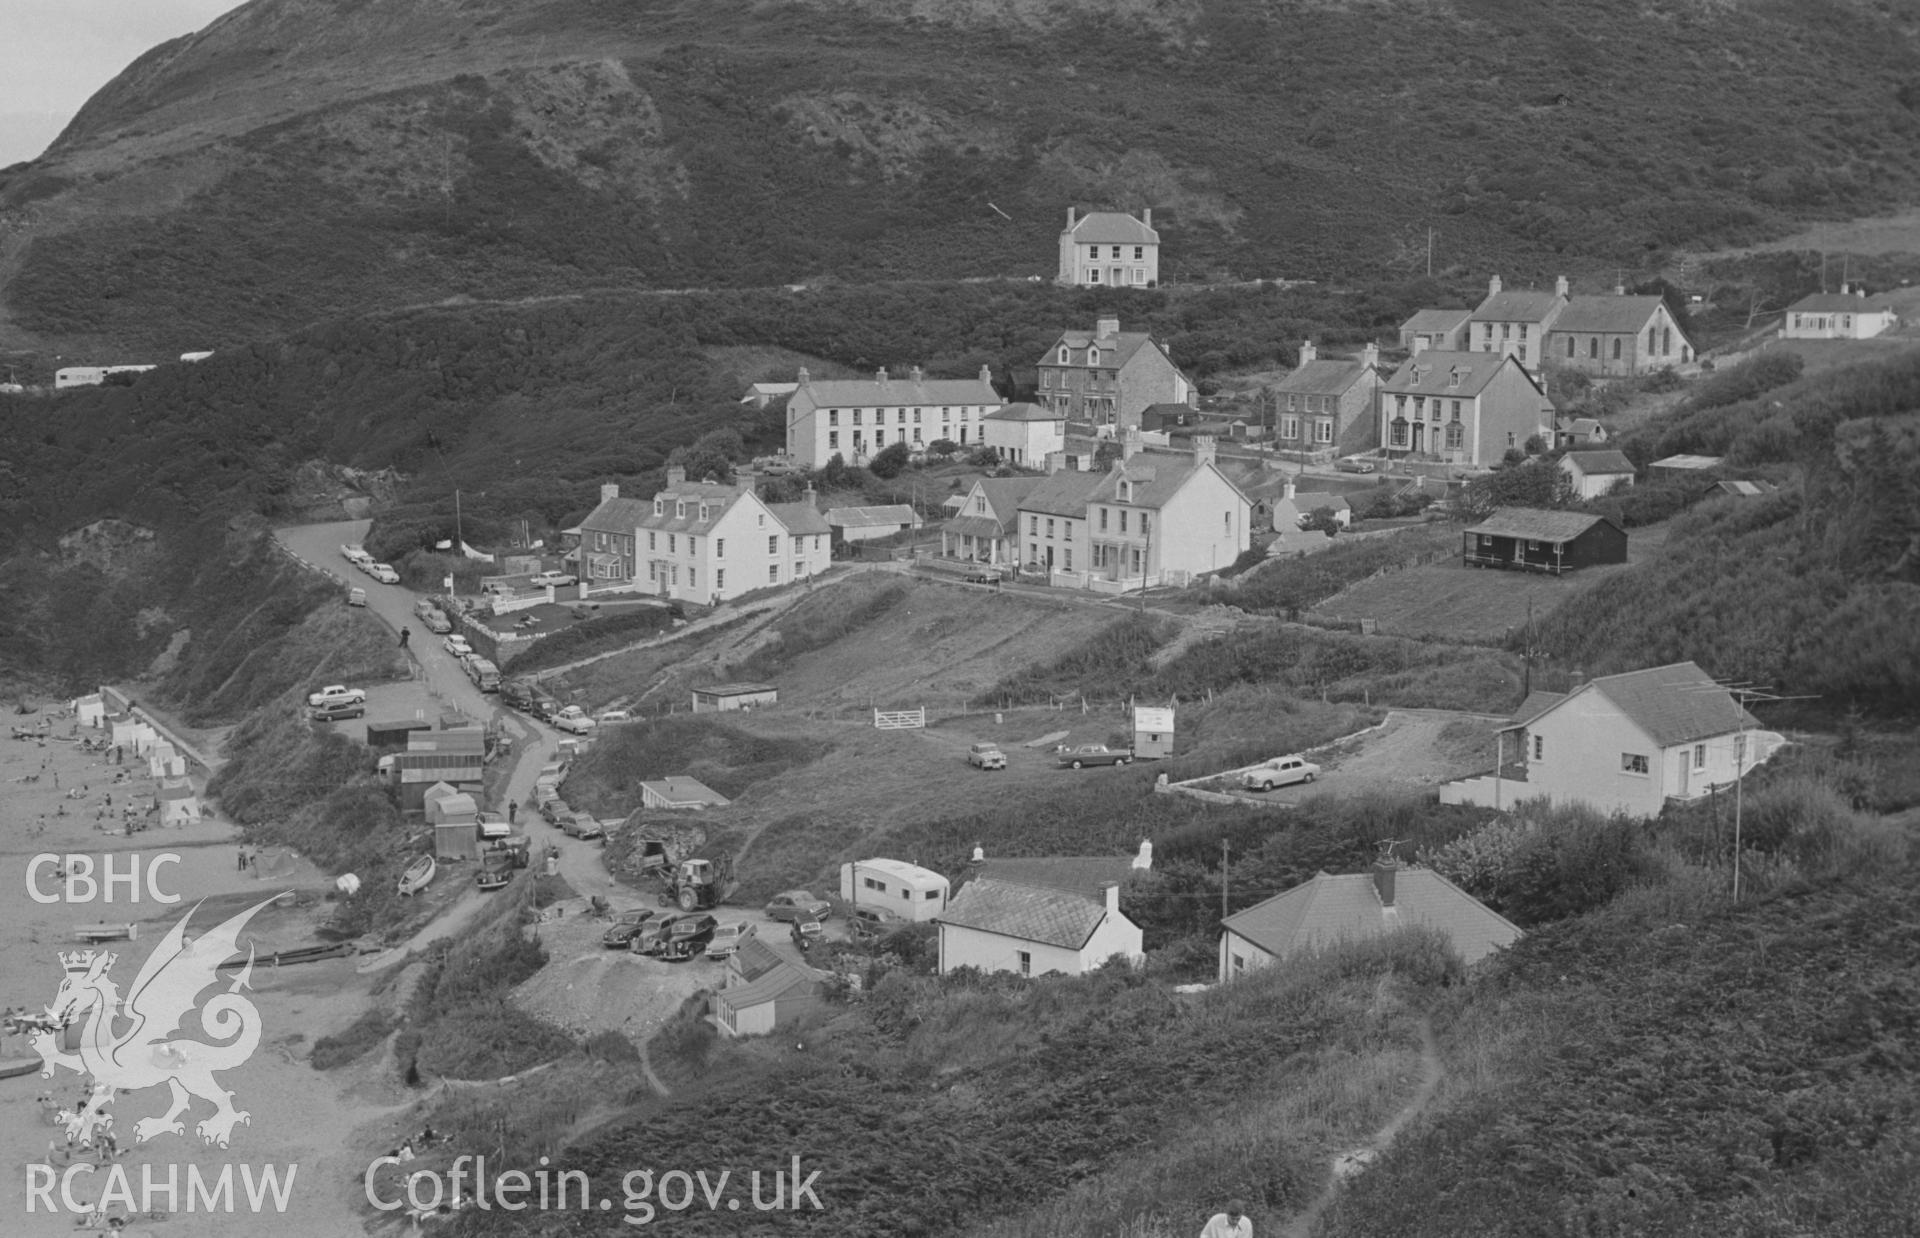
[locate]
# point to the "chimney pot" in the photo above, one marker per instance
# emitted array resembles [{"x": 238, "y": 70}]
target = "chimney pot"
[
  {"x": 1205, "y": 449},
  {"x": 986, "y": 374},
  {"x": 1370, "y": 356},
  {"x": 916, "y": 374},
  {"x": 1383, "y": 874},
  {"x": 804, "y": 379}
]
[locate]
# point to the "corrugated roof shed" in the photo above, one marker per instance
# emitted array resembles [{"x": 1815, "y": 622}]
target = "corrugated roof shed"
[{"x": 890, "y": 516}]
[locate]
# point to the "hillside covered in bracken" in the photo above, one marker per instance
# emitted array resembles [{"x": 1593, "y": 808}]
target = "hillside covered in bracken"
[{"x": 298, "y": 160}]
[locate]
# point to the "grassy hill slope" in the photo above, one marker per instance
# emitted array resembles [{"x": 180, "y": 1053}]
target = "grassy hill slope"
[{"x": 294, "y": 161}]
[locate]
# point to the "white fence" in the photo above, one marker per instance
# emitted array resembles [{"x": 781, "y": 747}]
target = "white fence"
[{"x": 899, "y": 719}]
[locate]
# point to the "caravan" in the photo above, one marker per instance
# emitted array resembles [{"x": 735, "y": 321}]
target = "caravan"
[{"x": 905, "y": 890}]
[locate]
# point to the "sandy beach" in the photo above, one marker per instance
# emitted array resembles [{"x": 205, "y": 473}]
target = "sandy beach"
[{"x": 53, "y": 802}]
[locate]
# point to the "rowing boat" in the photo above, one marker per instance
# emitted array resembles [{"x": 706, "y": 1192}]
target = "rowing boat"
[{"x": 418, "y": 874}]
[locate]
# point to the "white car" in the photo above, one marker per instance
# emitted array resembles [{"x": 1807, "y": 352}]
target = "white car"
[
  {"x": 355, "y": 554},
  {"x": 553, "y": 578},
  {"x": 384, "y": 574},
  {"x": 573, "y": 719},
  {"x": 1279, "y": 772},
  {"x": 337, "y": 694},
  {"x": 457, "y": 646},
  {"x": 616, "y": 715}
]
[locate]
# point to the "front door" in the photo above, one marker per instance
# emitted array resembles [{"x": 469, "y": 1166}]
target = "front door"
[
  {"x": 1419, "y": 438},
  {"x": 1686, "y": 774}
]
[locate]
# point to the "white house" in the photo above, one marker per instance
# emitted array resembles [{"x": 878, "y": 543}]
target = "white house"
[
  {"x": 1026, "y": 434},
  {"x": 986, "y": 528},
  {"x": 1109, "y": 248},
  {"x": 1594, "y": 473},
  {"x": 702, "y": 541},
  {"x": 1849, "y": 314},
  {"x": 1622, "y": 743},
  {"x": 1034, "y": 930},
  {"x": 1355, "y": 906},
  {"x": 765, "y": 989},
  {"x": 1053, "y": 522},
  {"x": 1165, "y": 516},
  {"x": 907, "y": 890},
  {"x": 856, "y": 419}
]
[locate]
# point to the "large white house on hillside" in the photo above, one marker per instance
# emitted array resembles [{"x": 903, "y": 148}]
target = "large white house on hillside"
[
  {"x": 1109, "y": 248},
  {"x": 857, "y": 419}
]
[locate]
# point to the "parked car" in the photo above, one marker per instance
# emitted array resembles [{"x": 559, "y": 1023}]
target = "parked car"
[
  {"x": 436, "y": 622},
  {"x": 1279, "y": 772},
  {"x": 356, "y": 554},
  {"x": 582, "y": 826},
  {"x": 336, "y": 711},
  {"x": 494, "y": 825},
  {"x": 1353, "y": 464},
  {"x": 798, "y": 905},
  {"x": 573, "y": 719},
  {"x": 518, "y": 848},
  {"x": 626, "y": 925},
  {"x": 485, "y": 675},
  {"x": 545, "y": 793},
  {"x": 689, "y": 936},
  {"x": 337, "y": 694},
  {"x": 457, "y": 646},
  {"x": 651, "y": 937},
  {"x": 986, "y": 756},
  {"x": 864, "y": 922},
  {"x": 1093, "y": 754},
  {"x": 553, "y": 578},
  {"x": 984, "y": 576},
  {"x": 555, "y": 810},
  {"x": 384, "y": 574},
  {"x": 727, "y": 938},
  {"x": 616, "y": 715}
]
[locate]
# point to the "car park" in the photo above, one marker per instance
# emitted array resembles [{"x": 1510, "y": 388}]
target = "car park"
[
  {"x": 337, "y": 694},
  {"x": 1093, "y": 754},
  {"x": 384, "y": 574},
  {"x": 986, "y": 756},
  {"x": 1279, "y": 772},
  {"x": 457, "y": 645},
  {"x": 337, "y": 711},
  {"x": 573, "y": 719},
  {"x": 798, "y": 905},
  {"x": 865, "y": 922},
  {"x": 553, "y": 578},
  {"x": 727, "y": 938},
  {"x": 626, "y": 925}
]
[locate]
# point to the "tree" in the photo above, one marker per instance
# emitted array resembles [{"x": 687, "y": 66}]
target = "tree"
[
  {"x": 943, "y": 447},
  {"x": 1322, "y": 520},
  {"x": 891, "y": 461},
  {"x": 1104, "y": 455}
]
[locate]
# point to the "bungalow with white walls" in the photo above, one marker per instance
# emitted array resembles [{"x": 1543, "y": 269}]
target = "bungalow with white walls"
[
  {"x": 1594, "y": 473},
  {"x": 1355, "y": 906},
  {"x": 765, "y": 989},
  {"x": 1622, "y": 743},
  {"x": 1032, "y": 930},
  {"x": 1849, "y": 314}
]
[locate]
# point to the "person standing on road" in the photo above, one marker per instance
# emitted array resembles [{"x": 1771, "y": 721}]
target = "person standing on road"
[
  {"x": 1232, "y": 1223},
  {"x": 513, "y": 810},
  {"x": 404, "y": 634}
]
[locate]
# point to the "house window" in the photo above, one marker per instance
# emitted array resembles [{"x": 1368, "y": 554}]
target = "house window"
[
  {"x": 1510, "y": 441},
  {"x": 773, "y": 543},
  {"x": 1616, "y": 348},
  {"x": 773, "y": 573},
  {"x": 980, "y": 503},
  {"x": 1026, "y": 963},
  {"x": 1398, "y": 432},
  {"x": 1123, "y": 521},
  {"x": 833, "y": 416},
  {"x": 1103, "y": 520},
  {"x": 856, "y": 416},
  {"x": 1633, "y": 763},
  {"x": 799, "y": 545},
  {"x": 1093, "y": 253},
  {"x": 1323, "y": 431},
  {"x": 833, "y": 440},
  {"x": 672, "y": 544},
  {"x": 1063, "y": 361},
  {"x": 1456, "y": 436},
  {"x": 916, "y": 434},
  {"x": 916, "y": 418},
  {"x": 1650, "y": 333},
  {"x": 720, "y": 579},
  {"x": 1699, "y": 756},
  {"x": 680, "y": 510},
  {"x": 879, "y": 439},
  {"x": 1033, "y": 553},
  {"x": 1139, "y": 253},
  {"x": 1239, "y": 966},
  {"x": 1539, "y": 747},
  {"x": 1289, "y": 427},
  {"x": 1049, "y": 526},
  {"x": 651, "y": 545},
  {"x": 1456, "y": 410},
  {"x": 1069, "y": 560},
  {"x": 704, "y": 516},
  {"x": 1570, "y": 344},
  {"x": 659, "y": 508},
  {"x": 1666, "y": 339},
  {"x": 693, "y": 577},
  {"x": 1139, "y": 275},
  {"x": 1033, "y": 525},
  {"x": 1145, "y": 528},
  {"x": 1593, "y": 348},
  {"x": 760, "y": 521},
  {"x": 1066, "y": 534},
  {"x": 1289, "y": 401},
  {"x": 1093, "y": 276}
]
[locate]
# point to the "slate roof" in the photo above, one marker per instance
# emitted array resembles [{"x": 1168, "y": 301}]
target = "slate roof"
[
  {"x": 1745, "y": 489},
  {"x": 974, "y": 526},
  {"x": 1537, "y": 703},
  {"x": 1064, "y": 493},
  {"x": 1115, "y": 350},
  {"x": 1086, "y": 875},
  {"x": 1326, "y": 376},
  {"x": 618, "y": 515},
  {"x": 1430, "y": 373},
  {"x": 1518, "y": 305},
  {"x": 1003, "y": 495},
  {"x": 1600, "y": 463},
  {"x": 871, "y": 517},
  {"x": 759, "y": 956},
  {"x": 1024, "y": 412},
  {"x": 1051, "y": 917},
  {"x": 1581, "y": 427},
  {"x": 1313, "y": 500},
  {"x": 1614, "y": 315},
  {"x": 1156, "y": 478},
  {"x": 1675, "y": 704},
  {"x": 899, "y": 392},
  {"x": 1111, "y": 228},
  {"x": 1436, "y": 320},
  {"x": 1347, "y": 907},
  {"x": 1838, "y": 303},
  {"x": 716, "y": 497},
  {"x": 1538, "y": 526},
  {"x": 799, "y": 518}
]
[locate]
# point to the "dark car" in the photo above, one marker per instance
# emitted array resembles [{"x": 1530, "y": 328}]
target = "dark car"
[
  {"x": 1093, "y": 754},
  {"x": 651, "y": 937},
  {"x": 337, "y": 710},
  {"x": 866, "y": 922},
  {"x": 1353, "y": 464},
  {"x": 984, "y": 576},
  {"x": 798, "y": 905},
  {"x": 626, "y": 926},
  {"x": 555, "y": 811},
  {"x": 514, "y": 849},
  {"x": 688, "y": 937},
  {"x": 581, "y": 825}
]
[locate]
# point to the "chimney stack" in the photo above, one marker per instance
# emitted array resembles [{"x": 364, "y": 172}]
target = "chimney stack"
[
  {"x": 1308, "y": 352},
  {"x": 804, "y": 379},
  {"x": 748, "y": 480},
  {"x": 1370, "y": 356},
  {"x": 609, "y": 490},
  {"x": 1493, "y": 286},
  {"x": 1146, "y": 217},
  {"x": 1106, "y": 328},
  {"x": 986, "y": 374},
  {"x": 676, "y": 476},
  {"x": 1204, "y": 449},
  {"x": 1129, "y": 442},
  {"x": 1560, "y": 287},
  {"x": 811, "y": 498},
  {"x": 1069, "y": 219},
  {"x": 1383, "y": 873},
  {"x": 1144, "y": 861},
  {"x": 1113, "y": 897},
  {"x": 883, "y": 375},
  {"x": 917, "y": 374},
  {"x": 1287, "y": 489}
]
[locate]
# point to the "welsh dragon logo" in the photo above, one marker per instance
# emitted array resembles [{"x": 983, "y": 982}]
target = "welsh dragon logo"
[{"x": 128, "y": 1044}]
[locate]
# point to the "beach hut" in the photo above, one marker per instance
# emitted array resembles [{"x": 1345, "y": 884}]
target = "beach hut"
[
  {"x": 90, "y": 710},
  {"x": 122, "y": 728},
  {"x": 446, "y": 805},
  {"x": 144, "y": 737},
  {"x": 454, "y": 840},
  {"x": 178, "y": 803},
  {"x": 165, "y": 761}
]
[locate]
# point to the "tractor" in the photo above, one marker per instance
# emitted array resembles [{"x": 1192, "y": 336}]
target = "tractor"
[{"x": 695, "y": 885}]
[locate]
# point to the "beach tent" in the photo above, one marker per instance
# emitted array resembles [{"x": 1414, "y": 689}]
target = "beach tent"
[
  {"x": 123, "y": 727},
  {"x": 165, "y": 761},
  {"x": 90, "y": 710},
  {"x": 178, "y": 803},
  {"x": 144, "y": 738}
]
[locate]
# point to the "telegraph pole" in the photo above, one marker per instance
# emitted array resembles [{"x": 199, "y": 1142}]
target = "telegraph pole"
[{"x": 1223, "y": 879}]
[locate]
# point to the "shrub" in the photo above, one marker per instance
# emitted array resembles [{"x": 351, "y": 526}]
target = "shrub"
[
  {"x": 890, "y": 462},
  {"x": 351, "y": 1042}
]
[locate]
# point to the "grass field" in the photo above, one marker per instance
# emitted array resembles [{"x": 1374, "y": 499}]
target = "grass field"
[{"x": 1448, "y": 600}]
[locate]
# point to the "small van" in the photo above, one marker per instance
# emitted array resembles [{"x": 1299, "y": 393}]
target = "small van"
[{"x": 485, "y": 675}]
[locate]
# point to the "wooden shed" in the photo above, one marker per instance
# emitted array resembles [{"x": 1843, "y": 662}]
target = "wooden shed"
[
  {"x": 719, "y": 697},
  {"x": 1544, "y": 541}
]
